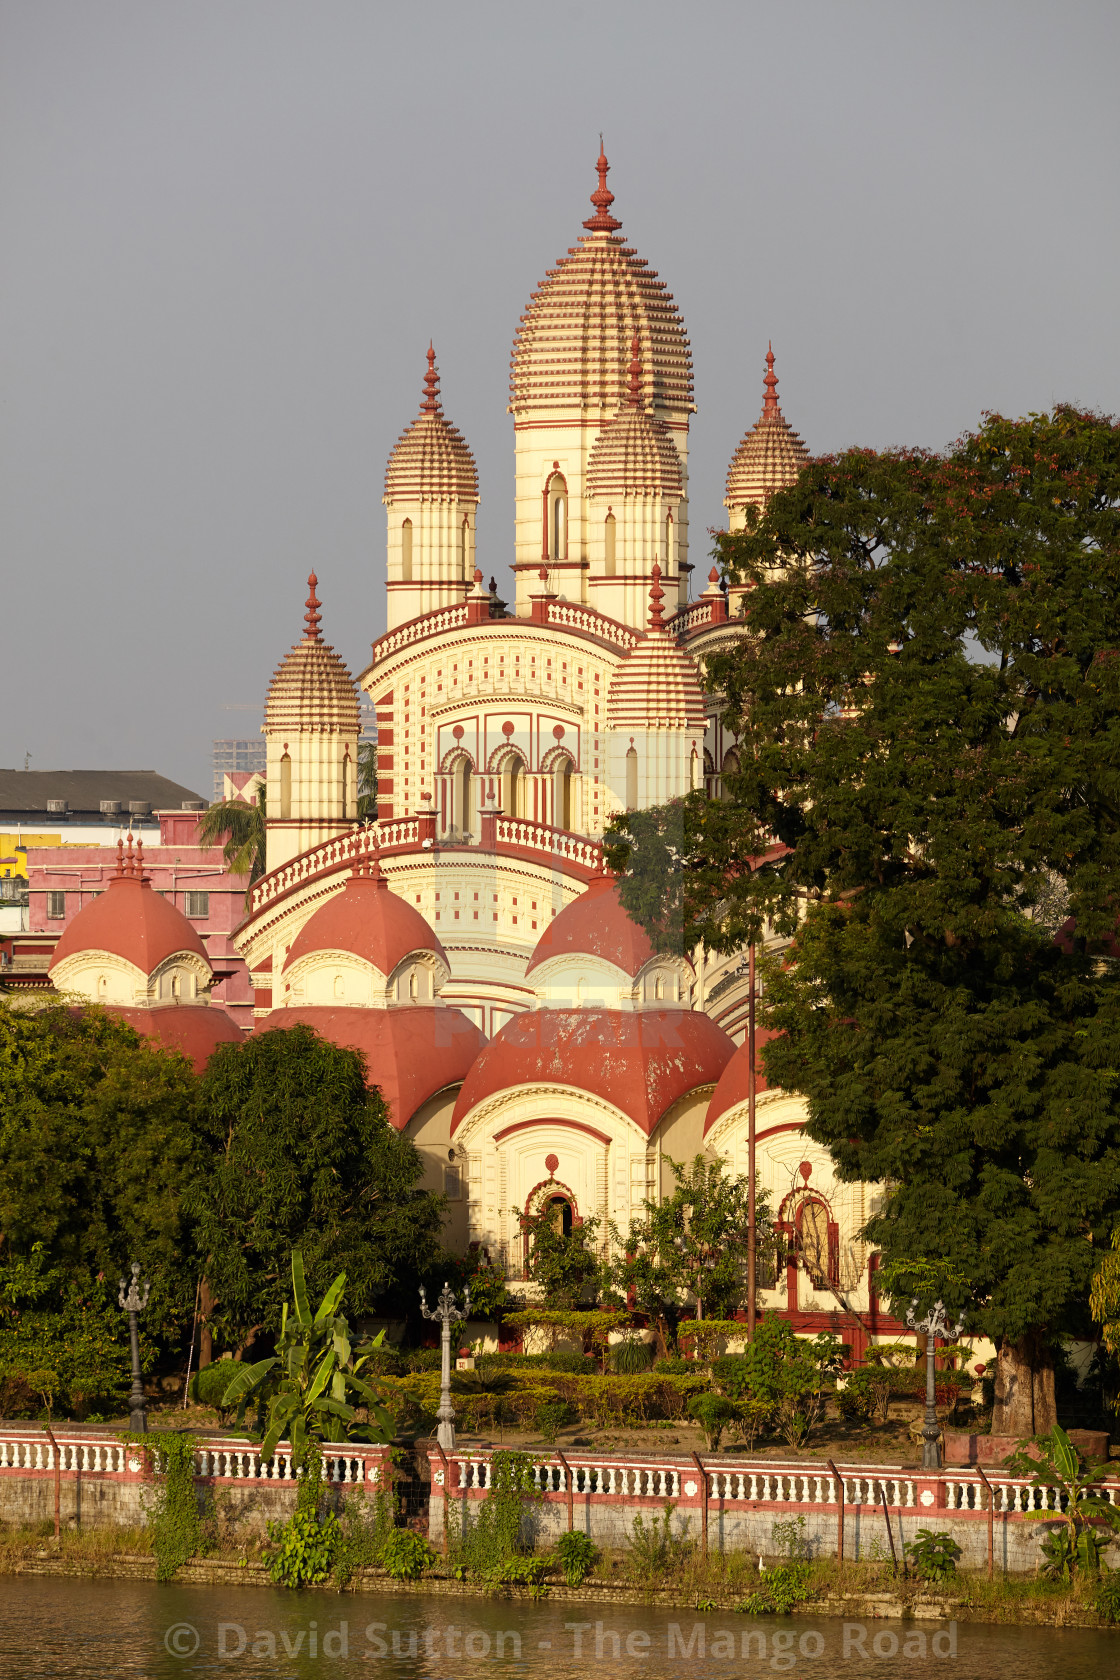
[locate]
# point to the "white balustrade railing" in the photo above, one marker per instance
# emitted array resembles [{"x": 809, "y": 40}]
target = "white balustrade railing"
[
  {"x": 689, "y": 618},
  {"x": 793, "y": 1486},
  {"x": 418, "y": 630},
  {"x": 539, "y": 837},
  {"x": 225, "y": 1460},
  {"x": 592, "y": 623}
]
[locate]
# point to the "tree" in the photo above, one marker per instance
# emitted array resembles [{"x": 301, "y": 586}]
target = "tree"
[
  {"x": 304, "y": 1156},
  {"x": 239, "y": 827},
  {"x": 1104, "y": 1295},
  {"x": 690, "y": 1245},
  {"x": 565, "y": 1263},
  {"x": 928, "y": 711},
  {"x": 97, "y": 1144},
  {"x": 367, "y": 778}
]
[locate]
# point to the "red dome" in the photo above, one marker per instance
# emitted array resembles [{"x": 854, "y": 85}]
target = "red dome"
[
  {"x": 369, "y": 921},
  {"x": 595, "y": 925},
  {"x": 732, "y": 1088},
  {"x": 195, "y": 1030},
  {"x": 129, "y": 920},
  {"x": 642, "y": 1062},
  {"x": 411, "y": 1053}
]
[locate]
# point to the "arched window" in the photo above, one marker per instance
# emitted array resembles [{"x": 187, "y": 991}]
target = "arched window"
[
  {"x": 562, "y": 794},
  {"x": 513, "y": 786},
  {"x": 413, "y": 986},
  {"x": 730, "y": 768},
  {"x": 460, "y": 545},
  {"x": 346, "y": 790},
  {"x": 464, "y": 797},
  {"x": 631, "y": 780},
  {"x": 339, "y": 986},
  {"x": 286, "y": 786},
  {"x": 609, "y": 545},
  {"x": 694, "y": 770},
  {"x": 557, "y": 535},
  {"x": 406, "y": 551},
  {"x": 468, "y": 561},
  {"x": 102, "y": 986}
]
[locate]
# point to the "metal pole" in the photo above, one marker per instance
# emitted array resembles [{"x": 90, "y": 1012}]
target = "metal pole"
[
  {"x": 890, "y": 1536},
  {"x": 57, "y": 1484},
  {"x": 133, "y": 1300},
  {"x": 931, "y": 1449},
  {"x": 571, "y": 1490},
  {"x": 704, "y": 1509},
  {"x": 991, "y": 1522},
  {"x": 751, "y": 1265},
  {"x": 839, "y": 1512},
  {"x": 448, "y": 1314}
]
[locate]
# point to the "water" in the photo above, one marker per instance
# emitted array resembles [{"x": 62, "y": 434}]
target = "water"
[{"x": 74, "y": 1629}]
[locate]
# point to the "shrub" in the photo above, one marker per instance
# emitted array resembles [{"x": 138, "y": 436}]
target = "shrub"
[
  {"x": 750, "y": 1420},
  {"x": 405, "y": 1555},
  {"x": 672, "y": 1365},
  {"x": 209, "y": 1383},
  {"x": 423, "y": 1359},
  {"x": 731, "y": 1375},
  {"x": 1106, "y": 1599},
  {"x": 366, "y": 1523},
  {"x": 552, "y": 1415},
  {"x": 654, "y": 1548},
  {"x": 784, "y": 1588},
  {"x": 934, "y": 1555},
  {"x": 712, "y": 1412},
  {"x": 578, "y": 1556},
  {"x": 631, "y": 1358},
  {"x": 307, "y": 1546}
]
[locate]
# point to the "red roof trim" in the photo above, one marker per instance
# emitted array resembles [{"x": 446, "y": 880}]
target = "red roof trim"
[{"x": 550, "y": 1121}]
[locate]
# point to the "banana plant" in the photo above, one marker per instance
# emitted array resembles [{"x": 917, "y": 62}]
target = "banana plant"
[
  {"x": 310, "y": 1388},
  {"x": 1054, "y": 1461}
]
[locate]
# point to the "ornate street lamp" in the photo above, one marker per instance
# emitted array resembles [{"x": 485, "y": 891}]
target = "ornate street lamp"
[
  {"x": 447, "y": 1314},
  {"x": 134, "y": 1298},
  {"x": 935, "y": 1324}
]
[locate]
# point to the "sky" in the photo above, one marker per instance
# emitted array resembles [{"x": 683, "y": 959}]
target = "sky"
[{"x": 228, "y": 230}]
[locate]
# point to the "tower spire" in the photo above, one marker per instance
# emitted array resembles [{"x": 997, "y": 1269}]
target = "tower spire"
[
  {"x": 656, "y": 596},
  {"x": 311, "y": 618},
  {"x": 602, "y": 199},
  {"x": 635, "y": 373},
  {"x": 431, "y": 403},
  {"x": 770, "y": 402}
]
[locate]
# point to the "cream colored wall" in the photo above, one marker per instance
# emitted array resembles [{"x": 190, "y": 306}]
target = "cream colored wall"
[
  {"x": 103, "y": 977},
  {"x": 680, "y": 1135},
  {"x": 442, "y": 563},
  {"x": 323, "y": 797},
  {"x": 430, "y": 1131},
  {"x": 647, "y": 529}
]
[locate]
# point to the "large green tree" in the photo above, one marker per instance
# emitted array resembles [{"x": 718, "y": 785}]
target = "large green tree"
[
  {"x": 303, "y": 1156},
  {"x": 96, "y": 1146},
  {"x": 928, "y": 707}
]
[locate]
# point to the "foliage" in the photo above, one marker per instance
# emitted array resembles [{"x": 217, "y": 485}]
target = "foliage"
[
  {"x": 578, "y": 1556},
  {"x": 1106, "y": 1599},
  {"x": 928, "y": 718},
  {"x": 631, "y": 1357},
  {"x": 307, "y": 1545},
  {"x": 782, "y": 1375},
  {"x": 367, "y": 778},
  {"x": 565, "y": 1265},
  {"x": 174, "y": 1518},
  {"x": 365, "y": 1524},
  {"x": 1087, "y": 1519},
  {"x": 405, "y": 1555},
  {"x": 309, "y": 1383},
  {"x": 788, "y": 1535},
  {"x": 62, "y": 1342},
  {"x": 1104, "y": 1294},
  {"x": 712, "y": 1412},
  {"x": 97, "y": 1144},
  {"x": 551, "y": 1416},
  {"x": 654, "y": 1548},
  {"x": 785, "y": 1587},
  {"x": 933, "y": 1555},
  {"x": 687, "y": 1246},
  {"x": 209, "y": 1384},
  {"x": 491, "y": 1535},
  {"x": 592, "y": 1328},
  {"x": 702, "y": 1336},
  {"x": 490, "y": 1296},
  {"x": 238, "y": 826},
  {"x": 303, "y": 1156}
]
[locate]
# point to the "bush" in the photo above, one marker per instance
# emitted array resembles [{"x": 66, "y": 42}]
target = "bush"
[
  {"x": 934, "y": 1556},
  {"x": 654, "y": 1548},
  {"x": 209, "y": 1383},
  {"x": 731, "y": 1375},
  {"x": 578, "y": 1556},
  {"x": 672, "y": 1365},
  {"x": 631, "y": 1358},
  {"x": 785, "y": 1587},
  {"x": 712, "y": 1412},
  {"x": 552, "y": 1415},
  {"x": 405, "y": 1555},
  {"x": 307, "y": 1547},
  {"x": 384, "y": 1362},
  {"x": 1106, "y": 1599},
  {"x": 423, "y": 1359}
]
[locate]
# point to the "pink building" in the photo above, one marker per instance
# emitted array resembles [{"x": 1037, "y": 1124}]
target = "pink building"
[{"x": 62, "y": 880}]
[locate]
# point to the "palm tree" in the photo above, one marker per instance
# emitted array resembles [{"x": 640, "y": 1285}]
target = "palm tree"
[{"x": 240, "y": 829}]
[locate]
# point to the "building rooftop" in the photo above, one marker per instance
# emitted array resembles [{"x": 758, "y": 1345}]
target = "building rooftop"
[{"x": 89, "y": 795}]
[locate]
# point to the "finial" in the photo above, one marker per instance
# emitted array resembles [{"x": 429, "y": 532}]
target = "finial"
[
  {"x": 431, "y": 404},
  {"x": 128, "y": 858},
  {"x": 140, "y": 860},
  {"x": 635, "y": 373},
  {"x": 120, "y": 857},
  {"x": 656, "y": 596},
  {"x": 770, "y": 404},
  {"x": 311, "y": 618},
  {"x": 602, "y": 221}
]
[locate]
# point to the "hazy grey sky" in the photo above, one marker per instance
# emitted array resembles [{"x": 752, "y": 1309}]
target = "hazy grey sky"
[{"x": 228, "y": 228}]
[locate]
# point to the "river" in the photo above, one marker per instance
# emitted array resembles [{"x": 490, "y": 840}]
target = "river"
[{"x": 97, "y": 1630}]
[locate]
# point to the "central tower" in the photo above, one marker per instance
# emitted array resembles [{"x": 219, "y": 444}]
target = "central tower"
[{"x": 569, "y": 378}]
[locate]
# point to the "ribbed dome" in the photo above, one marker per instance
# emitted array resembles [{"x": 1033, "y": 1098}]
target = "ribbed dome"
[
  {"x": 595, "y": 925},
  {"x": 370, "y": 921},
  {"x": 130, "y": 921},
  {"x": 634, "y": 455},
  {"x": 430, "y": 461},
  {"x": 770, "y": 456},
  {"x": 312, "y": 691},
  {"x": 572, "y": 347},
  {"x": 657, "y": 685}
]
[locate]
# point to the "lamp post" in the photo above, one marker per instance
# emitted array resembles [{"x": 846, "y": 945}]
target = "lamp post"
[
  {"x": 447, "y": 1314},
  {"x": 134, "y": 1298},
  {"x": 935, "y": 1323}
]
